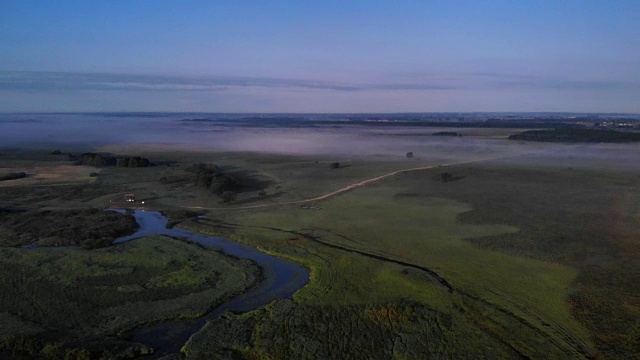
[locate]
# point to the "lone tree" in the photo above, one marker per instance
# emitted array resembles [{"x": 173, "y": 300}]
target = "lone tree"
[
  {"x": 446, "y": 177},
  {"x": 409, "y": 155},
  {"x": 228, "y": 196},
  {"x": 334, "y": 165}
]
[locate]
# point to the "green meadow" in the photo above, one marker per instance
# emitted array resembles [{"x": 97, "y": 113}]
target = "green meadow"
[{"x": 519, "y": 252}]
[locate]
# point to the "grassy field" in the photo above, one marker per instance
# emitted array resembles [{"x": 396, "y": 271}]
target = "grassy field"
[
  {"x": 394, "y": 250},
  {"x": 535, "y": 257},
  {"x": 42, "y": 168},
  {"x": 67, "y": 298},
  {"x": 531, "y": 254},
  {"x": 581, "y": 217}
]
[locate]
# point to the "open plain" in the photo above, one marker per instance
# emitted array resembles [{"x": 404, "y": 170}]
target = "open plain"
[{"x": 476, "y": 246}]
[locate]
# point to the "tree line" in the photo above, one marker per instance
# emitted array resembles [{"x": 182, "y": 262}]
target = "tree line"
[{"x": 104, "y": 160}]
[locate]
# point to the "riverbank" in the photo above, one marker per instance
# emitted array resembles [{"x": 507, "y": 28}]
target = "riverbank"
[{"x": 97, "y": 302}]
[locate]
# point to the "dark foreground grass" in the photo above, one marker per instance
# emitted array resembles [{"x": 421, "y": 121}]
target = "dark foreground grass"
[
  {"x": 287, "y": 330},
  {"x": 69, "y": 298}
]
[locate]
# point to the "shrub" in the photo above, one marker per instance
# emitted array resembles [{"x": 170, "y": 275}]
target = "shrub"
[
  {"x": 228, "y": 197},
  {"x": 13, "y": 176}
]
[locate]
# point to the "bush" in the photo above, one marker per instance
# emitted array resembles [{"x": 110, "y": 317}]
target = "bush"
[
  {"x": 446, "y": 177},
  {"x": 77, "y": 354},
  {"x": 52, "y": 351},
  {"x": 13, "y": 176},
  {"x": 334, "y": 165},
  {"x": 228, "y": 197}
]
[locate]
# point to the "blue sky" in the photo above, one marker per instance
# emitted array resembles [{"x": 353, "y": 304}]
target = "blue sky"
[{"x": 303, "y": 56}]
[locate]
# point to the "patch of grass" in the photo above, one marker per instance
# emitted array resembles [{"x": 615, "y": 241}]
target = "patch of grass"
[
  {"x": 72, "y": 295},
  {"x": 287, "y": 330}
]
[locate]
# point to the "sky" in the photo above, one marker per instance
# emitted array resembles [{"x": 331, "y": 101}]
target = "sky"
[{"x": 320, "y": 56}]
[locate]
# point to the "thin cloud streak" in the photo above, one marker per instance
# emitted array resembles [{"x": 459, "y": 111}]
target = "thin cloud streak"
[
  {"x": 61, "y": 81},
  {"x": 497, "y": 80}
]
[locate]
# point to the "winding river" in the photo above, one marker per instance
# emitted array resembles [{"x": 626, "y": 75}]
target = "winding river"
[{"x": 282, "y": 278}]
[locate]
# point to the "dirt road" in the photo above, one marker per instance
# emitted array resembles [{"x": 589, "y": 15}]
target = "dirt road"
[{"x": 346, "y": 188}]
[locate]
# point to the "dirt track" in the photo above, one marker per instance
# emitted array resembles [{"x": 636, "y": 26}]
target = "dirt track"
[{"x": 346, "y": 188}]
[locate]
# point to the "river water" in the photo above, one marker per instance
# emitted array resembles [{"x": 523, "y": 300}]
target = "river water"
[{"x": 282, "y": 278}]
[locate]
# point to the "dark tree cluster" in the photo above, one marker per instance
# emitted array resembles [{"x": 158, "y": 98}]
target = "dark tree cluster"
[
  {"x": 210, "y": 176},
  {"x": 446, "y": 133},
  {"x": 133, "y": 162},
  {"x": 103, "y": 160},
  {"x": 90, "y": 228},
  {"x": 334, "y": 165},
  {"x": 93, "y": 159},
  {"x": 13, "y": 176},
  {"x": 577, "y": 135}
]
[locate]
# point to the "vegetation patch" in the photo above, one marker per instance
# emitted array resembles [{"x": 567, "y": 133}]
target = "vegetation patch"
[
  {"x": 177, "y": 216},
  {"x": 577, "y": 135},
  {"x": 89, "y": 228},
  {"x": 522, "y": 257},
  {"x": 287, "y": 330},
  {"x": 581, "y": 218},
  {"x": 211, "y": 177},
  {"x": 446, "y": 133},
  {"x": 75, "y": 297},
  {"x": 368, "y": 247},
  {"x": 13, "y": 176},
  {"x": 102, "y": 160}
]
